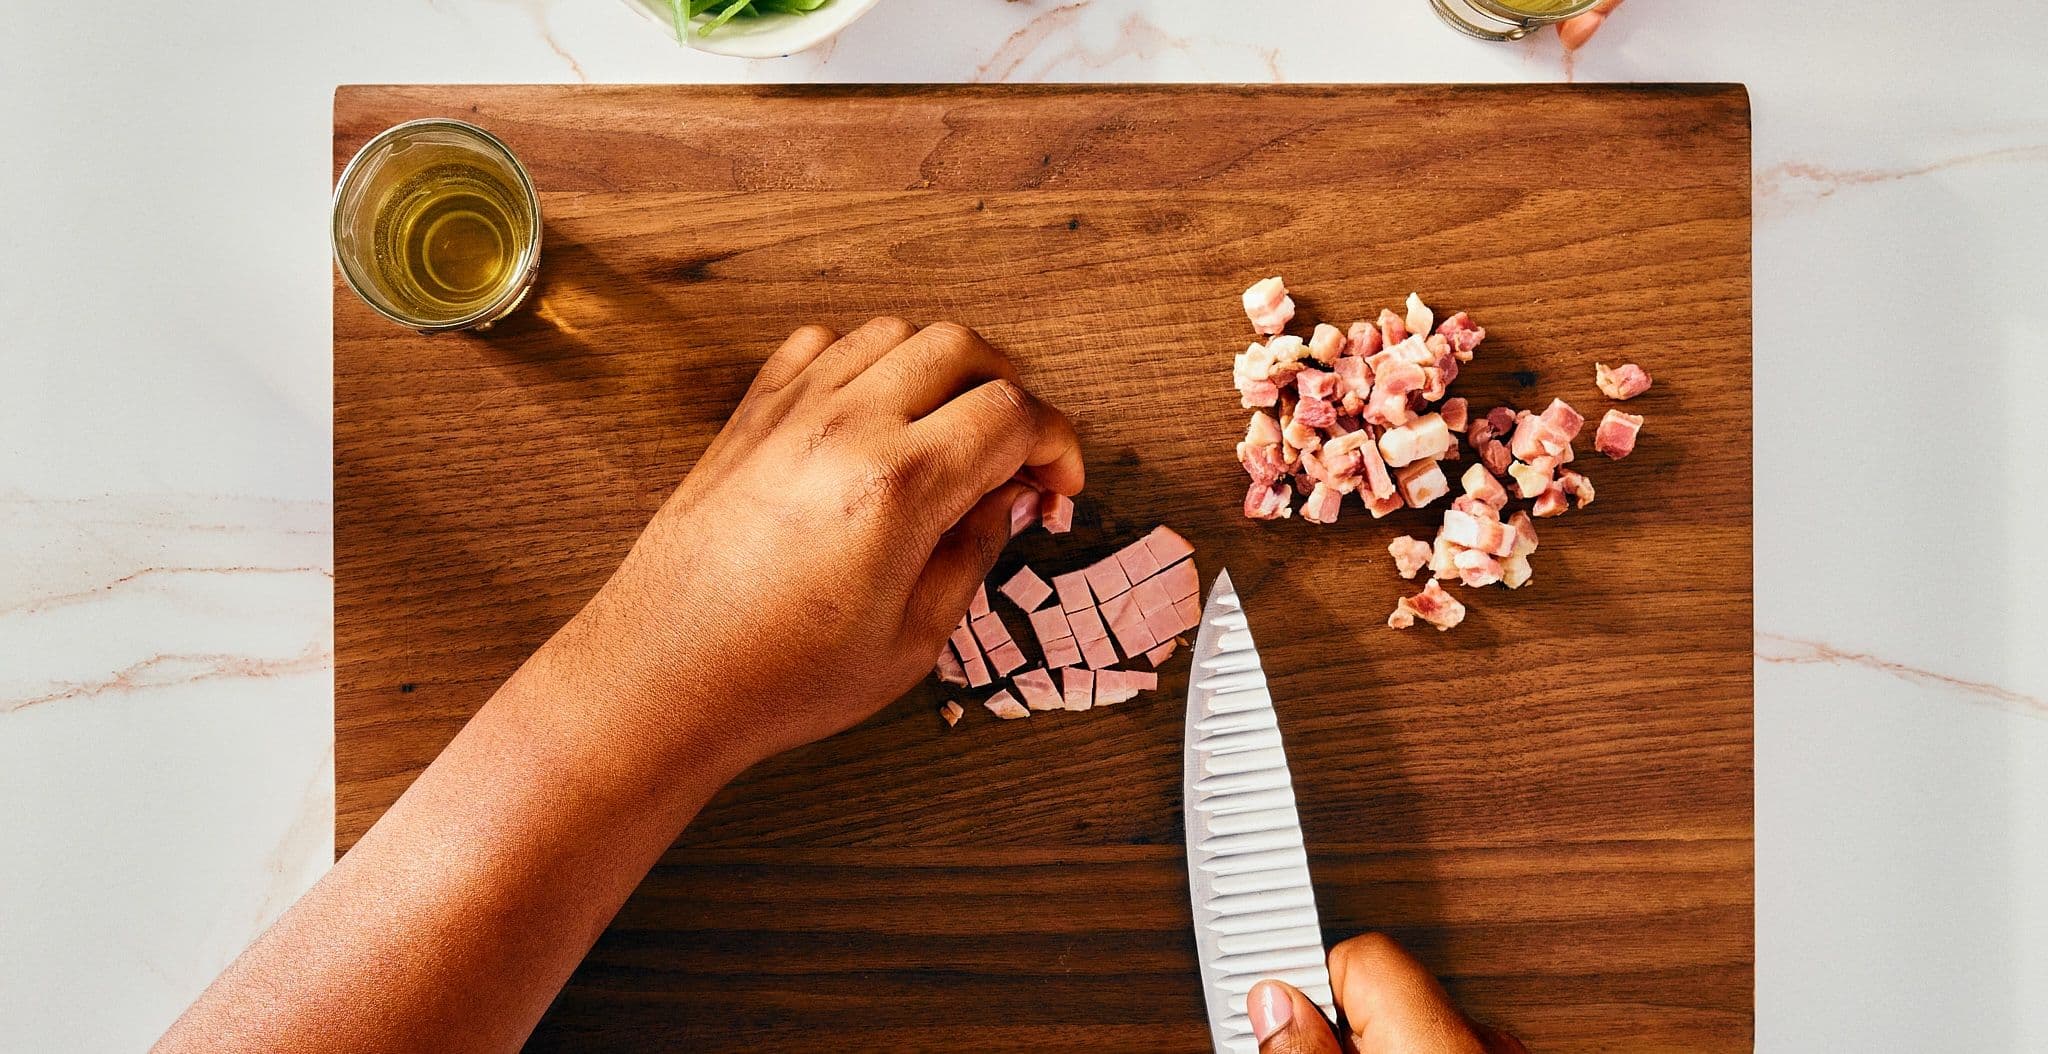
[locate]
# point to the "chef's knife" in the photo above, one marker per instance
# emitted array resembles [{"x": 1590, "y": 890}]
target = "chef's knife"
[{"x": 1255, "y": 912}]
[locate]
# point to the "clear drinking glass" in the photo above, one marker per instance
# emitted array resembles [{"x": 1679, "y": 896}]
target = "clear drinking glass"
[
  {"x": 1507, "y": 19},
  {"x": 437, "y": 226}
]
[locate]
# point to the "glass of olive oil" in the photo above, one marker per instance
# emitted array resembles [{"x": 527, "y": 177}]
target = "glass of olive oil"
[
  {"x": 1507, "y": 19},
  {"x": 437, "y": 226}
]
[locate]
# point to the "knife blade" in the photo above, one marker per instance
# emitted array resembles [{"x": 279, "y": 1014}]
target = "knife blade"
[{"x": 1254, "y": 907}]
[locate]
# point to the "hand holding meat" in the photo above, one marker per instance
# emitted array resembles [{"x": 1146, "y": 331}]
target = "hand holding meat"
[{"x": 816, "y": 557}]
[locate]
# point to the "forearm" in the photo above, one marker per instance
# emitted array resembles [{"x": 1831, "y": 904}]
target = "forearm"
[{"x": 458, "y": 917}]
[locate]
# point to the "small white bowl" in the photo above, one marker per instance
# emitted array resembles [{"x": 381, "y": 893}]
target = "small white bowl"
[{"x": 766, "y": 37}]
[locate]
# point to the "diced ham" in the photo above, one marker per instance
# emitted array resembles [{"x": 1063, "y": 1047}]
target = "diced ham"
[
  {"x": 1482, "y": 484},
  {"x": 1106, "y": 578},
  {"x": 1577, "y": 486},
  {"x": 1476, "y": 569},
  {"x": 1455, "y": 413},
  {"x": 1137, "y": 561},
  {"x": 1077, "y": 689},
  {"x": 990, "y": 631},
  {"x": 1163, "y": 625},
  {"x": 1005, "y": 658},
  {"x": 1464, "y": 337},
  {"x": 1134, "y": 636},
  {"x": 1087, "y": 624},
  {"x": 1024, "y": 513},
  {"x": 1190, "y": 611},
  {"x": 1073, "y": 591},
  {"x": 1551, "y": 502},
  {"x": 977, "y": 671},
  {"x": 1362, "y": 340},
  {"x": 949, "y": 669},
  {"x": 1026, "y": 589},
  {"x": 1036, "y": 686},
  {"x": 1432, "y": 605},
  {"x": 1152, "y": 595},
  {"x": 1049, "y": 623},
  {"x": 1056, "y": 513},
  {"x": 1168, "y": 546},
  {"x": 1004, "y": 705},
  {"x": 1411, "y": 555},
  {"x": 1419, "y": 318},
  {"x": 1268, "y": 306},
  {"x": 1326, "y": 343},
  {"x": 1066, "y": 651},
  {"x": 1164, "y": 651},
  {"x": 1425, "y": 437},
  {"x": 1621, "y": 383},
  {"x": 1421, "y": 483},
  {"x": 1393, "y": 328},
  {"x": 978, "y": 605},
  {"x": 952, "y": 712},
  {"x": 1098, "y": 653},
  {"x": 1321, "y": 506},
  {"x": 1267, "y": 502},
  {"x": 1616, "y": 436}
]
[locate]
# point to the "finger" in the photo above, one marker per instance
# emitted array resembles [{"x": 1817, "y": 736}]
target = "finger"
[
  {"x": 1391, "y": 1003},
  {"x": 1498, "y": 1042},
  {"x": 852, "y": 354},
  {"x": 962, "y": 560},
  {"x": 1574, "y": 32},
  {"x": 787, "y": 362},
  {"x": 1286, "y": 1022},
  {"x": 989, "y": 433},
  {"x": 927, "y": 371}
]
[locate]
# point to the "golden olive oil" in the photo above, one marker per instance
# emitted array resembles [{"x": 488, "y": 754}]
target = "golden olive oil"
[
  {"x": 448, "y": 240},
  {"x": 1539, "y": 7}
]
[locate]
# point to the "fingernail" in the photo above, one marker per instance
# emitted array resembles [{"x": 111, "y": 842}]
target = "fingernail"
[
  {"x": 1271, "y": 1009},
  {"x": 1023, "y": 512}
]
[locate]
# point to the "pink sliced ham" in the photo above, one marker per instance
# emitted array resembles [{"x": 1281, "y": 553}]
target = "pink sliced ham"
[
  {"x": 1268, "y": 306},
  {"x": 1161, "y": 653},
  {"x": 978, "y": 605},
  {"x": 1026, "y": 589},
  {"x": 1049, "y": 624},
  {"x": 1065, "y": 651},
  {"x": 1039, "y": 693},
  {"x": 1056, "y": 513},
  {"x": 1077, "y": 689},
  {"x": 1004, "y": 705},
  {"x": 1106, "y": 578},
  {"x": 1073, "y": 591},
  {"x": 949, "y": 669},
  {"x": 1616, "y": 436},
  {"x": 1621, "y": 383}
]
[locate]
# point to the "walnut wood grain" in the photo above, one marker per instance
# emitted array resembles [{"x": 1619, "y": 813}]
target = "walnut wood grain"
[{"x": 1552, "y": 804}]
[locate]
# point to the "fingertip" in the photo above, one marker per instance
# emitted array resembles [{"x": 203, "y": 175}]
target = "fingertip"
[{"x": 1271, "y": 1007}]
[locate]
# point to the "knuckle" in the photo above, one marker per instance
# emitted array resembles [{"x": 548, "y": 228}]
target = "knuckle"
[
  {"x": 813, "y": 333},
  {"x": 952, "y": 333},
  {"x": 895, "y": 328},
  {"x": 1007, "y": 397}
]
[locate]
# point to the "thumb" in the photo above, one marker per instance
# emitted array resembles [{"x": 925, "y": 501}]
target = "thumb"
[
  {"x": 1393, "y": 1005},
  {"x": 1285, "y": 1022},
  {"x": 965, "y": 555}
]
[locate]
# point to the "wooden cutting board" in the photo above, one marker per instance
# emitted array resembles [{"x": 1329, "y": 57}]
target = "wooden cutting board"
[{"x": 1550, "y": 805}]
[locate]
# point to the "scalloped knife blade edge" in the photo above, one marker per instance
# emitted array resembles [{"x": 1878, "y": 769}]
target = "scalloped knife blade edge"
[{"x": 1248, "y": 878}]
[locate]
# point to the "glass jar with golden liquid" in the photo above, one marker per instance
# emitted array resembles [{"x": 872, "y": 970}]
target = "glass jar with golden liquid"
[
  {"x": 1507, "y": 19},
  {"x": 437, "y": 226}
]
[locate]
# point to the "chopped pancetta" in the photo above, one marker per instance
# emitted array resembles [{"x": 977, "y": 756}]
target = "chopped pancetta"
[
  {"x": 1432, "y": 605},
  {"x": 1411, "y": 555},
  {"x": 1321, "y": 506},
  {"x": 1455, "y": 413},
  {"x": 1551, "y": 502},
  {"x": 1267, "y": 502},
  {"x": 1267, "y": 304},
  {"x": 1481, "y": 484},
  {"x": 1616, "y": 436},
  {"x": 1325, "y": 344},
  {"x": 1621, "y": 383},
  {"x": 1421, "y": 483},
  {"x": 1577, "y": 486},
  {"x": 1427, "y": 436},
  {"x": 1419, "y": 318},
  {"x": 1462, "y": 335}
]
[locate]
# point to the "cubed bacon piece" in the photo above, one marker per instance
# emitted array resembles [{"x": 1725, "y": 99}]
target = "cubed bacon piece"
[
  {"x": 1251, "y": 372},
  {"x": 1398, "y": 378},
  {"x": 1577, "y": 486},
  {"x": 1316, "y": 384},
  {"x": 1152, "y": 595},
  {"x": 1353, "y": 383},
  {"x": 1488, "y": 536},
  {"x": 1190, "y": 611},
  {"x": 1479, "y": 431},
  {"x": 1268, "y": 306},
  {"x": 1257, "y": 393},
  {"x": 1527, "y": 441},
  {"x": 1267, "y": 502},
  {"x": 1321, "y": 506},
  {"x": 1362, "y": 340},
  {"x": 1515, "y": 571},
  {"x": 1379, "y": 483},
  {"x": 1531, "y": 480},
  {"x": 1525, "y": 534},
  {"x": 1425, "y": 437},
  {"x": 1065, "y": 651},
  {"x": 1420, "y": 319},
  {"x": 978, "y": 606},
  {"x": 1265, "y": 464},
  {"x": 1464, "y": 337},
  {"x": 1411, "y": 555},
  {"x": 1005, "y": 658},
  {"x": 1379, "y": 505},
  {"x": 1443, "y": 557},
  {"x": 1496, "y": 457},
  {"x": 1502, "y": 419},
  {"x": 1315, "y": 413},
  {"x": 1098, "y": 653},
  {"x": 1137, "y": 561},
  {"x": 1181, "y": 580},
  {"x": 1073, "y": 591},
  {"x": 1389, "y": 410},
  {"x": 1077, "y": 689},
  {"x": 1004, "y": 705},
  {"x": 1087, "y": 624},
  {"x": 1300, "y": 435},
  {"x": 1326, "y": 343},
  {"x": 1456, "y": 414},
  {"x": 1161, "y": 653},
  {"x": 1049, "y": 623},
  {"x": 1621, "y": 383},
  {"x": 1026, "y": 589},
  {"x": 1421, "y": 483},
  {"x": 1036, "y": 686},
  {"x": 952, "y": 712},
  {"x": 1472, "y": 506},
  {"x": 1432, "y": 605},
  {"x": 1263, "y": 430},
  {"x": 949, "y": 669},
  {"x": 1287, "y": 355},
  {"x": 1616, "y": 436},
  {"x": 1481, "y": 484},
  {"x": 1167, "y": 545},
  {"x": 1056, "y": 513},
  {"x": 1551, "y": 502},
  {"x": 1393, "y": 328},
  {"x": 1476, "y": 569},
  {"x": 1566, "y": 421},
  {"x": 1106, "y": 578}
]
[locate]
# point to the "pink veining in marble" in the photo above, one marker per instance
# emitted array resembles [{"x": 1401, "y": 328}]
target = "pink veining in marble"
[{"x": 1796, "y": 651}]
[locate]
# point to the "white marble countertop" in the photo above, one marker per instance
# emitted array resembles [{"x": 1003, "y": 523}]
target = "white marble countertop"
[{"x": 165, "y": 639}]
